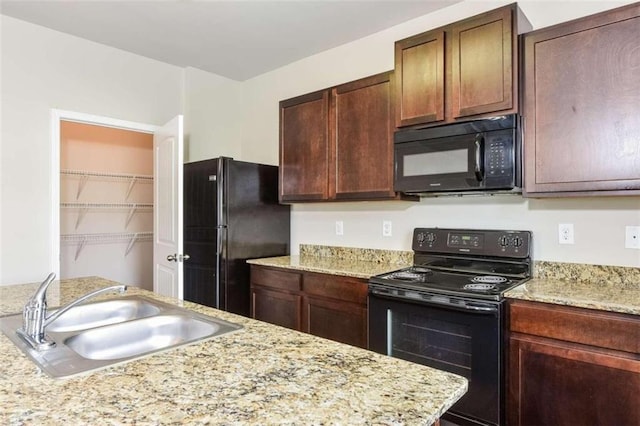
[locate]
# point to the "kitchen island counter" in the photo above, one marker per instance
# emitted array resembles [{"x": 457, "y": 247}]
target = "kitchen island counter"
[{"x": 263, "y": 374}]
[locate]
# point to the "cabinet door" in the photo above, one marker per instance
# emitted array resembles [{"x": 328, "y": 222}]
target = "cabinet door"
[
  {"x": 343, "y": 322},
  {"x": 482, "y": 64},
  {"x": 304, "y": 148},
  {"x": 420, "y": 79},
  {"x": 362, "y": 139},
  {"x": 556, "y": 383},
  {"x": 581, "y": 98},
  {"x": 276, "y": 307}
]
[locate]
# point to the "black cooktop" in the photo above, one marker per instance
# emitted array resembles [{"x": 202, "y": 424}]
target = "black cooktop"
[
  {"x": 483, "y": 286},
  {"x": 481, "y": 264}
]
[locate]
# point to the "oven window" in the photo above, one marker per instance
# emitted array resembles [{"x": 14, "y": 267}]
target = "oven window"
[
  {"x": 428, "y": 341},
  {"x": 436, "y": 163}
]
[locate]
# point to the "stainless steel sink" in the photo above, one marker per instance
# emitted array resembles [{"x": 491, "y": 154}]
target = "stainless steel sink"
[
  {"x": 97, "y": 314},
  {"x": 102, "y": 334},
  {"x": 143, "y": 336}
]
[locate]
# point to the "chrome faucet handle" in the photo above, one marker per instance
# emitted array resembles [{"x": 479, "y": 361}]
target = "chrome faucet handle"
[{"x": 33, "y": 316}]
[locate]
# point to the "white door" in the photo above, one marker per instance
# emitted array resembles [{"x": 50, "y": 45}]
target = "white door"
[{"x": 167, "y": 214}]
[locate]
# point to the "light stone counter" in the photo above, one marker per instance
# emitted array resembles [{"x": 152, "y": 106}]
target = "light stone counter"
[
  {"x": 263, "y": 374},
  {"x": 346, "y": 261},
  {"x": 328, "y": 265},
  {"x": 601, "y": 296},
  {"x": 607, "y": 288}
]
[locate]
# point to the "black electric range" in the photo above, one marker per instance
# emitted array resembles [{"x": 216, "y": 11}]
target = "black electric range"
[
  {"x": 479, "y": 264},
  {"x": 447, "y": 311}
]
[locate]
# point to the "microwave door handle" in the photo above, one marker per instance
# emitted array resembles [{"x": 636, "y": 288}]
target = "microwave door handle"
[{"x": 479, "y": 163}]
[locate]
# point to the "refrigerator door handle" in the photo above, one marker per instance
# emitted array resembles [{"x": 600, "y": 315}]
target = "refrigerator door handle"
[
  {"x": 220, "y": 229},
  {"x": 220, "y": 183}
]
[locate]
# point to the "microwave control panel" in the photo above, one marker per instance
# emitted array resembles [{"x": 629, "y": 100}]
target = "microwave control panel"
[{"x": 499, "y": 156}]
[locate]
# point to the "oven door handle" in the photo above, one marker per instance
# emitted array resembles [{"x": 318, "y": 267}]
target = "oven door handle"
[{"x": 438, "y": 301}]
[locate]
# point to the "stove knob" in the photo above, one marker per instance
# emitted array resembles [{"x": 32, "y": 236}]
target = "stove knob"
[
  {"x": 517, "y": 241},
  {"x": 430, "y": 237},
  {"x": 504, "y": 241},
  {"x": 420, "y": 237}
]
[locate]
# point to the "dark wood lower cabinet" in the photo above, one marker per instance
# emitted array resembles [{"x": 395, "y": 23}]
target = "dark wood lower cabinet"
[
  {"x": 276, "y": 307},
  {"x": 343, "y": 322},
  {"x": 329, "y": 306},
  {"x": 570, "y": 366}
]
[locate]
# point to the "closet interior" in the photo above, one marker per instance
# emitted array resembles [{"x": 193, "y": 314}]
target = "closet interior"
[{"x": 106, "y": 203}]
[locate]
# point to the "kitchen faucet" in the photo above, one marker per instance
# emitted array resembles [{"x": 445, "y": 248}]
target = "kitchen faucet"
[{"x": 34, "y": 314}]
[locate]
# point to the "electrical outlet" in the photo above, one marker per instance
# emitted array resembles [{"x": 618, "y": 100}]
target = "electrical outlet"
[
  {"x": 632, "y": 237},
  {"x": 386, "y": 228},
  {"x": 339, "y": 227},
  {"x": 565, "y": 233}
]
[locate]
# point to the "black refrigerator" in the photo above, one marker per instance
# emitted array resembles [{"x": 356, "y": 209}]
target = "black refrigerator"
[{"x": 231, "y": 214}]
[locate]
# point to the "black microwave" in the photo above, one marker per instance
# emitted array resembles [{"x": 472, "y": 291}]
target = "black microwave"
[{"x": 480, "y": 156}]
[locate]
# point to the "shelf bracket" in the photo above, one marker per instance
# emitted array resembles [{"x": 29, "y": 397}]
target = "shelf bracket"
[
  {"x": 81, "y": 213},
  {"x": 132, "y": 241},
  {"x": 132, "y": 210},
  {"x": 81, "y": 244},
  {"x": 131, "y": 184},
  {"x": 83, "y": 181}
]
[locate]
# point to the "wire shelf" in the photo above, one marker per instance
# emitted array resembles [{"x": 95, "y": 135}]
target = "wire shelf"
[
  {"x": 83, "y": 239},
  {"x": 83, "y": 207},
  {"x": 107, "y": 205},
  {"x": 85, "y": 175},
  {"x": 106, "y": 174}
]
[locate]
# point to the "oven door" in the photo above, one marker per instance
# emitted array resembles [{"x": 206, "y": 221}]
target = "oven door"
[{"x": 447, "y": 334}]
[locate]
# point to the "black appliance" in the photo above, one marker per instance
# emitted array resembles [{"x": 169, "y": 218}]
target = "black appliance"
[
  {"x": 231, "y": 214},
  {"x": 469, "y": 157},
  {"x": 447, "y": 311}
]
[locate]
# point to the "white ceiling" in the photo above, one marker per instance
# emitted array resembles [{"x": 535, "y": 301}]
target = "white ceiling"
[{"x": 235, "y": 39}]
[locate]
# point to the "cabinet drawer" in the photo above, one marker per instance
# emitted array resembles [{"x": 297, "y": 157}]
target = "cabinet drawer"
[
  {"x": 590, "y": 327},
  {"x": 341, "y": 288},
  {"x": 275, "y": 279}
]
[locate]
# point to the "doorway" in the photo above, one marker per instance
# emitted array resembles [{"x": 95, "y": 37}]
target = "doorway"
[
  {"x": 89, "y": 234},
  {"x": 167, "y": 195},
  {"x": 106, "y": 203}
]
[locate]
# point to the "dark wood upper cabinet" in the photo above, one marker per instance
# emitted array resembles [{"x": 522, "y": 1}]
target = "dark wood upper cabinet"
[
  {"x": 337, "y": 144},
  {"x": 304, "y": 148},
  {"x": 581, "y": 106},
  {"x": 482, "y": 68},
  {"x": 462, "y": 70},
  {"x": 362, "y": 139},
  {"x": 419, "y": 63}
]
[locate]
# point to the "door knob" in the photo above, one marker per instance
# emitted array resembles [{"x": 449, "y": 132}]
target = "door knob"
[
  {"x": 172, "y": 258},
  {"x": 184, "y": 257}
]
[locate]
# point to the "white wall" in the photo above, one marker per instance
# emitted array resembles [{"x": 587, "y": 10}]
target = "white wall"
[
  {"x": 599, "y": 222},
  {"x": 212, "y": 111},
  {"x": 44, "y": 69}
]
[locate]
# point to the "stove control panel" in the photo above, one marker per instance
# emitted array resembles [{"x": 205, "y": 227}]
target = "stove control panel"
[{"x": 480, "y": 242}]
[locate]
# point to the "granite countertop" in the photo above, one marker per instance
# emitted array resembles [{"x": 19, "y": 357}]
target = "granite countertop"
[
  {"x": 263, "y": 374},
  {"x": 608, "y": 296},
  {"x": 330, "y": 265},
  {"x": 606, "y": 288}
]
